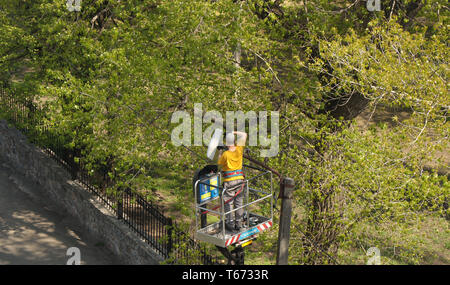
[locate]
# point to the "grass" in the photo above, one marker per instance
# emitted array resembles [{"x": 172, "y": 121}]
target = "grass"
[
  {"x": 424, "y": 241},
  {"x": 171, "y": 192}
]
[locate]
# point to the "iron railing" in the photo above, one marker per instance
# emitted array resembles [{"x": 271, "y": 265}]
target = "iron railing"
[{"x": 142, "y": 216}]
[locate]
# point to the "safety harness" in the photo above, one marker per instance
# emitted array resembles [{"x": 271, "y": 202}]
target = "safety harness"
[
  {"x": 232, "y": 173},
  {"x": 241, "y": 173}
]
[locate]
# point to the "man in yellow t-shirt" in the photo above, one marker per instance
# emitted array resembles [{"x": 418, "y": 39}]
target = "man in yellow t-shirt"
[{"x": 233, "y": 177}]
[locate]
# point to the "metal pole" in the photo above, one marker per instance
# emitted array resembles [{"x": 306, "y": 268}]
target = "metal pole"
[
  {"x": 120, "y": 204},
  {"x": 286, "y": 189},
  {"x": 247, "y": 213}
]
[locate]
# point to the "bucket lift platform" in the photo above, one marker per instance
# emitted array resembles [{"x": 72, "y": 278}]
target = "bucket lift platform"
[
  {"x": 214, "y": 233},
  {"x": 209, "y": 201}
]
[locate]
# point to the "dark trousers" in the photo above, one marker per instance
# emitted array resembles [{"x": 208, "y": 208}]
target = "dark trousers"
[{"x": 231, "y": 189}]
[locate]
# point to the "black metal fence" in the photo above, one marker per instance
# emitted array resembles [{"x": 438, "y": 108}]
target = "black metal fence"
[
  {"x": 145, "y": 219},
  {"x": 142, "y": 216}
]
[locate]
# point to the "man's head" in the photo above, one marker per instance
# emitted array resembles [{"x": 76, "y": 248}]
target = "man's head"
[{"x": 229, "y": 139}]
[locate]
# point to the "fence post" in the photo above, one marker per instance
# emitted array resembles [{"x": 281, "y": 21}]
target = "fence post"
[
  {"x": 286, "y": 189},
  {"x": 169, "y": 224},
  {"x": 73, "y": 168},
  {"x": 120, "y": 205}
]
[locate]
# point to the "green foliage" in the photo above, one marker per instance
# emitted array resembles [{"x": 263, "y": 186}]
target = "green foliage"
[{"x": 110, "y": 76}]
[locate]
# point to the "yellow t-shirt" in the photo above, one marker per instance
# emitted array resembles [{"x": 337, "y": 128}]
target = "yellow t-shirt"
[{"x": 232, "y": 160}]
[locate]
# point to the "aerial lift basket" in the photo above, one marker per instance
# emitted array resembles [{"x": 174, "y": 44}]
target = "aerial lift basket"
[{"x": 209, "y": 200}]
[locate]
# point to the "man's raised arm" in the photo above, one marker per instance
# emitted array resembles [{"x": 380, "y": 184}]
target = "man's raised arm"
[{"x": 241, "y": 138}]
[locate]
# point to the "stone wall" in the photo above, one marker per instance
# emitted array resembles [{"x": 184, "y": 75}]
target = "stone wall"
[{"x": 53, "y": 182}]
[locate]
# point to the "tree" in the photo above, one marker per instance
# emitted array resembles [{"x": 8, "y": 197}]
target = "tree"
[{"x": 111, "y": 75}]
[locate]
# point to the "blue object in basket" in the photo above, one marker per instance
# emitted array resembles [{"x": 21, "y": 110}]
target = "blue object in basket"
[
  {"x": 214, "y": 181},
  {"x": 208, "y": 192}
]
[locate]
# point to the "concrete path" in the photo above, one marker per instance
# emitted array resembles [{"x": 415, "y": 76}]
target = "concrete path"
[{"x": 32, "y": 232}]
